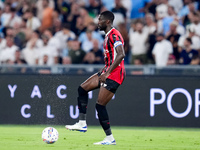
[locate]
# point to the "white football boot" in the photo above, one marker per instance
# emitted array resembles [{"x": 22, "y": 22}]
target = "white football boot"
[
  {"x": 109, "y": 140},
  {"x": 79, "y": 126}
]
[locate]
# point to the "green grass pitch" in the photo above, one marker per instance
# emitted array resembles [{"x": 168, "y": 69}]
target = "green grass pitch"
[{"x": 28, "y": 137}]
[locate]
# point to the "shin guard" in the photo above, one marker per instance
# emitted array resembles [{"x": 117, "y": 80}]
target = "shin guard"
[
  {"x": 103, "y": 118},
  {"x": 82, "y": 100}
]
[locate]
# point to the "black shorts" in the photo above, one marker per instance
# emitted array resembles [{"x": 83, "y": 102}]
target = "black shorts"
[{"x": 110, "y": 85}]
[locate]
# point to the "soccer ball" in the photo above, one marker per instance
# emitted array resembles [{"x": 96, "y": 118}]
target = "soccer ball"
[{"x": 50, "y": 135}]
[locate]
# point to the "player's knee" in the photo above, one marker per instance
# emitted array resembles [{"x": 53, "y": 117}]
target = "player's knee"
[
  {"x": 100, "y": 102},
  {"x": 81, "y": 91}
]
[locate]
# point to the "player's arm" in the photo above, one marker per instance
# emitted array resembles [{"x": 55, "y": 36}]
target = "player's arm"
[{"x": 119, "y": 57}]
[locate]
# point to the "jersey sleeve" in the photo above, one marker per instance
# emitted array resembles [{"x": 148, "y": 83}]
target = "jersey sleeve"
[{"x": 116, "y": 40}]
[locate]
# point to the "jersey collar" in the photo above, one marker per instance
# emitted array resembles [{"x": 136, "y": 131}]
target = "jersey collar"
[{"x": 109, "y": 31}]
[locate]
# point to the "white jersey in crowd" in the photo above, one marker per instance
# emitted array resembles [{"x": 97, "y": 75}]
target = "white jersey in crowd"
[
  {"x": 195, "y": 42},
  {"x": 8, "y": 53},
  {"x": 29, "y": 55},
  {"x": 54, "y": 42},
  {"x": 48, "y": 51},
  {"x": 138, "y": 42},
  {"x": 63, "y": 39},
  {"x": 33, "y": 23},
  {"x": 161, "y": 51},
  {"x": 2, "y": 44},
  {"x": 196, "y": 28},
  {"x": 7, "y": 21}
]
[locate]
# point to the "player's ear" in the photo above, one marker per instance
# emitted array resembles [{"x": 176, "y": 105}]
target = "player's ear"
[{"x": 108, "y": 22}]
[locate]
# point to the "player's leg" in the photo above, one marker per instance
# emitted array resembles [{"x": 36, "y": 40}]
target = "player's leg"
[
  {"x": 90, "y": 84},
  {"x": 104, "y": 97}
]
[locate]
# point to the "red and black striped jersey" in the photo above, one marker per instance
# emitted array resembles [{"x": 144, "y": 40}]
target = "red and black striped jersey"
[{"x": 113, "y": 39}]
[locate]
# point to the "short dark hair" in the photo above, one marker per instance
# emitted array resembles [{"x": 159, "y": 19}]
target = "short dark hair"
[
  {"x": 66, "y": 26},
  {"x": 189, "y": 40},
  {"x": 108, "y": 15}
]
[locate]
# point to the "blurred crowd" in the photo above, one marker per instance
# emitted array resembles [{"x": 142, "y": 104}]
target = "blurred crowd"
[{"x": 48, "y": 32}]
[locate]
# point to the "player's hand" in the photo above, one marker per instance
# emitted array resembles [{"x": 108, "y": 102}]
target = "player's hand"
[{"x": 103, "y": 77}]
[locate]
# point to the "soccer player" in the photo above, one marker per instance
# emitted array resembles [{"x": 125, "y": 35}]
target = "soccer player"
[{"x": 108, "y": 79}]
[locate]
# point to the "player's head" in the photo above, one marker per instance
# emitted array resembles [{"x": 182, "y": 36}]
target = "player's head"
[{"x": 106, "y": 18}]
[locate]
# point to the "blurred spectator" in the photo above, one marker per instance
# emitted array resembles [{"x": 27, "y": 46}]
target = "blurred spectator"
[
  {"x": 161, "y": 51},
  {"x": 195, "y": 22},
  {"x": 18, "y": 58},
  {"x": 151, "y": 41},
  {"x": 162, "y": 9},
  {"x": 32, "y": 22},
  {"x": 187, "y": 53},
  {"x": 57, "y": 26},
  {"x": 85, "y": 15},
  {"x": 47, "y": 16},
  {"x": 95, "y": 35},
  {"x": 47, "y": 54},
  {"x": 66, "y": 60},
  {"x": 127, "y": 5},
  {"x": 119, "y": 9},
  {"x": 8, "y": 53},
  {"x": 76, "y": 53},
  {"x": 166, "y": 21},
  {"x": 54, "y": 43},
  {"x": 89, "y": 58},
  {"x": 63, "y": 36},
  {"x": 1, "y": 4},
  {"x": 24, "y": 6},
  {"x": 31, "y": 50},
  {"x": 151, "y": 7},
  {"x": 94, "y": 8},
  {"x": 2, "y": 42},
  {"x": 65, "y": 52},
  {"x": 195, "y": 60},
  {"x": 40, "y": 8},
  {"x": 176, "y": 4},
  {"x": 138, "y": 8},
  {"x": 63, "y": 8},
  {"x": 125, "y": 36},
  {"x": 138, "y": 62},
  {"x": 1, "y": 27},
  {"x": 21, "y": 34},
  {"x": 108, "y": 4},
  {"x": 184, "y": 13},
  {"x": 74, "y": 14},
  {"x": 95, "y": 55},
  {"x": 137, "y": 71},
  {"x": 118, "y": 20},
  {"x": 138, "y": 43},
  {"x": 173, "y": 37},
  {"x": 171, "y": 60},
  {"x": 10, "y": 18},
  {"x": 87, "y": 44},
  {"x": 150, "y": 26},
  {"x": 9, "y": 31},
  {"x": 34, "y": 41},
  {"x": 6, "y": 14},
  {"x": 190, "y": 34},
  {"x": 80, "y": 27}
]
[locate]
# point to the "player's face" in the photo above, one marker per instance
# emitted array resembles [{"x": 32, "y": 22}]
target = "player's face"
[{"x": 101, "y": 23}]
